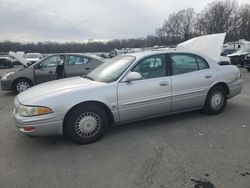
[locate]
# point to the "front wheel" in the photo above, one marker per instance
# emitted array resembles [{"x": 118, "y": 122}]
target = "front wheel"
[
  {"x": 86, "y": 123},
  {"x": 248, "y": 69},
  {"x": 22, "y": 85},
  {"x": 215, "y": 101}
]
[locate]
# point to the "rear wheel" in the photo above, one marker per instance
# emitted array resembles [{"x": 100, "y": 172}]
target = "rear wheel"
[
  {"x": 86, "y": 123},
  {"x": 248, "y": 69},
  {"x": 215, "y": 101},
  {"x": 22, "y": 85}
]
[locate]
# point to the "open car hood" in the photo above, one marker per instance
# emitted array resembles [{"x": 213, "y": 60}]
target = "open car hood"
[
  {"x": 208, "y": 45},
  {"x": 19, "y": 58}
]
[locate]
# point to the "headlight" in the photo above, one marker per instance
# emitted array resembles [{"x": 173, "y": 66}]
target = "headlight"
[
  {"x": 28, "y": 111},
  {"x": 7, "y": 75}
]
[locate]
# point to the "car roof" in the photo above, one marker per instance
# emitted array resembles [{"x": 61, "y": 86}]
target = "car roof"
[
  {"x": 33, "y": 53},
  {"x": 140, "y": 55},
  {"x": 94, "y": 56}
]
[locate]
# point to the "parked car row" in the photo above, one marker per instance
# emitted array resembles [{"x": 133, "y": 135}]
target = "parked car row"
[
  {"x": 127, "y": 88},
  {"x": 237, "y": 52},
  {"x": 239, "y": 57}
]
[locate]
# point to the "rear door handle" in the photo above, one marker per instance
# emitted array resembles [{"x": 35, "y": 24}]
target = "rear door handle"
[
  {"x": 208, "y": 75},
  {"x": 164, "y": 83},
  {"x": 50, "y": 72},
  {"x": 87, "y": 68}
]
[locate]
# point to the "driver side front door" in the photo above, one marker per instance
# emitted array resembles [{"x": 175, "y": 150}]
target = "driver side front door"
[
  {"x": 46, "y": 70},
  {"x": 148, "y": 96}
]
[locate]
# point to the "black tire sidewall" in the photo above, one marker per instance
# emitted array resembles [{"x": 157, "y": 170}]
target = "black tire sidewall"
[
  {"x": 69, "y": 125},
  {"x": 208, "y": 106}
]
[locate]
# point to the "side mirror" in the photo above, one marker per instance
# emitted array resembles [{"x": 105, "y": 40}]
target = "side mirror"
[{"x": 132, "y": 76}]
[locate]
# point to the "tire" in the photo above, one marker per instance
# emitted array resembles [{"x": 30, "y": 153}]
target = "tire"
[
  {"x": 21, "y": 85},
  {"x": 86, "y": 123},
  {"x": 216, "y": 100},
  {"x": 248, "y": 69}
]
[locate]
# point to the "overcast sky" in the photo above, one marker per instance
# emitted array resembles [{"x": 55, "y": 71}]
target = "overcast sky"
[{"x": 80, "y": 20}]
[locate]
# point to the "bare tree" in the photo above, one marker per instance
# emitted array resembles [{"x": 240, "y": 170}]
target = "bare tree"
[
  {"x": 186, "y": 22},
  {"x": 217, "y": 17},
  {"x": 179, "y": 26},
  {"x": 161, "y": 35},
  {"x": 244, "y": 21}
]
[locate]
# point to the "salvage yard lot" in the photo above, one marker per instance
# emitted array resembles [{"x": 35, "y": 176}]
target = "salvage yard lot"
[{"x": 185, "y": 150}]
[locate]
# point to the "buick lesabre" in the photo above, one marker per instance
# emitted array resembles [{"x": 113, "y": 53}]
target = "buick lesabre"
[{"x": 128, "y": 88}]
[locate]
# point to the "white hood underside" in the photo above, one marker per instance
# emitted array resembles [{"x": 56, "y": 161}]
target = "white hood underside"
[
  {"x": 19, "y": 58},
  {"x": 208, "y": 45}
]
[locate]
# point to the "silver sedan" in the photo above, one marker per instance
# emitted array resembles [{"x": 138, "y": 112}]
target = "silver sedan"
[{"x": 127, "y": 88}]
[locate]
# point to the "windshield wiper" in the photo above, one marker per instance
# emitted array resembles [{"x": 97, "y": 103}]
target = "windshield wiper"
[{"x": 89, "y": 78}]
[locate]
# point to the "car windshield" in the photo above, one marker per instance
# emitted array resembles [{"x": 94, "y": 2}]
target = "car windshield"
[
  {"x": 112, "y": 69},
  {"x": 32, "y": 55}
]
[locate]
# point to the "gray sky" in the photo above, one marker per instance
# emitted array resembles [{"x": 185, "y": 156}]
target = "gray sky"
[{"x": 80, "y": 20}]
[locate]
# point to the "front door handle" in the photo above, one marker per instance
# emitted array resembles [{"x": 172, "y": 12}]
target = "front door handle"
[
  {"x": 51, "y": 72},
  {"x": 164, "y": 83},
  {"x": 87, "y": 68},
  {"x": 208, "y": 75}
]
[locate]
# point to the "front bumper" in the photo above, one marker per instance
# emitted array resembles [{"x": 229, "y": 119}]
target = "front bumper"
[
  {"x": 6, "y": 84},
  {"x": 43, "y": 125},
  {"x": 235, "y": 88}
]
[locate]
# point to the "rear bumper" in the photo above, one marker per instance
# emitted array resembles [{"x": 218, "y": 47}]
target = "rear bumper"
[{"x": 235, "y": 88}]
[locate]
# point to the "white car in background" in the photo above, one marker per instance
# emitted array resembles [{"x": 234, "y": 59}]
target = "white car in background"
[
  {"x": 239, "y": 57},
  {"x": 32, "y": 57}
]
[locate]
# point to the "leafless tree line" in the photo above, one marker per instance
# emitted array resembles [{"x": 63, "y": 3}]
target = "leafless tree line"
[{"x": 217, "y": 17}]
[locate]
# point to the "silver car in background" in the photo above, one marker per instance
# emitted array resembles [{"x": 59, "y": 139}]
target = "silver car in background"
[{"x": 53, "y": 67}]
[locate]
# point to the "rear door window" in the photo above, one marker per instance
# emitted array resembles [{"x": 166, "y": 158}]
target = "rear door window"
[
  {"x": 185, "y": 63},
  {"x": 202, "y": 64},
  {"x": 77, "y": 60}
]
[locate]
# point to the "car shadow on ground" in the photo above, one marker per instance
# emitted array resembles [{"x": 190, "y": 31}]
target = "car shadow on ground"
[
  {"x": 166, "y": 123},
  {"x": 158, "y": 122},
  {"x": 118, "y": 130}
]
